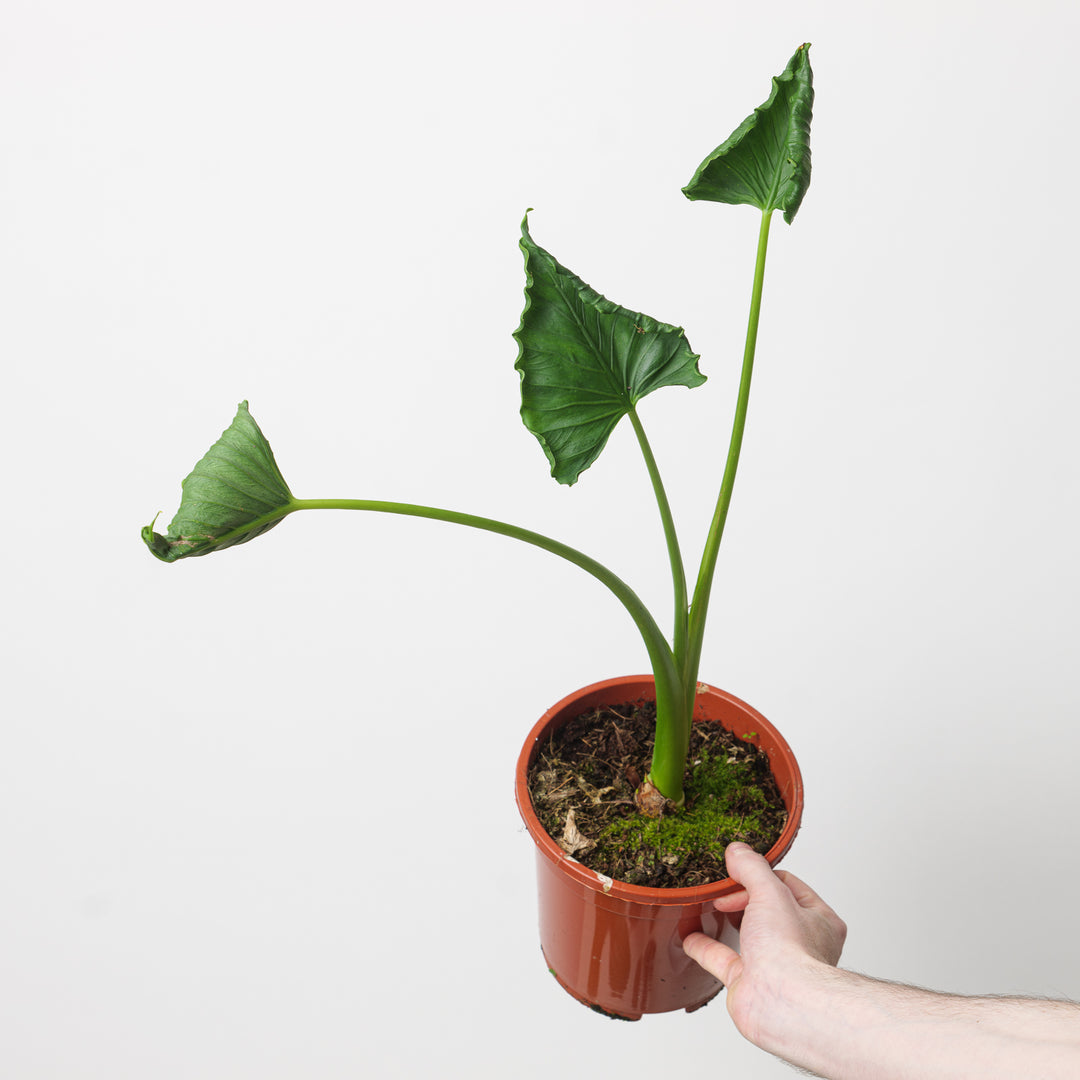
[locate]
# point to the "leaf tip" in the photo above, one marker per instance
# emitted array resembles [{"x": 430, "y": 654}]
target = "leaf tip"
[{"x": 158, "y": 545}]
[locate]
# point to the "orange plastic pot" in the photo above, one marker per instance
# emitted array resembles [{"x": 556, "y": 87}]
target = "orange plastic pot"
[{"x": 617, "y": 947}]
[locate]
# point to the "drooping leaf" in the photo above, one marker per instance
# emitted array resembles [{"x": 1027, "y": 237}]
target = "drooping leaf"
[
  {"x": 585, "y": 362},
  {"x": 766, "y": 161},
  {"x": 236, "y": 484}
]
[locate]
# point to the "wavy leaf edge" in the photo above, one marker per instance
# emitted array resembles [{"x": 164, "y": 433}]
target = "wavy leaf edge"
[{"x": 797, "y": 66}]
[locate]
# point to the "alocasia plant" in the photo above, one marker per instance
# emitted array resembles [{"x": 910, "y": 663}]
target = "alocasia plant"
[{"x": 584, "y": 363}]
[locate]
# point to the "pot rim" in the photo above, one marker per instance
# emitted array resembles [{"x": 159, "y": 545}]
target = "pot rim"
[{"x": 636, "y": 686}]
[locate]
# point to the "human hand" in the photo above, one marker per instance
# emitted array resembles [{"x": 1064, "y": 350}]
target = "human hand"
[
  {"x": 787, "y": 933},
  {"x": 787, "y": 997}
]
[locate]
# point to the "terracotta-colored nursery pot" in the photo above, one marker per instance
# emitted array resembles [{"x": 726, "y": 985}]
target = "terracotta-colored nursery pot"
[{"x": 618, "y": 947}]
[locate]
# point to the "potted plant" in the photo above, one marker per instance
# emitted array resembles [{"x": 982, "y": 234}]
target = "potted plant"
[{"x": 585, "y": 363}]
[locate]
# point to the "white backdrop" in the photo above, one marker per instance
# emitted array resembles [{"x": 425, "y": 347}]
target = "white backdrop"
[{"x": 255, "y": 809}]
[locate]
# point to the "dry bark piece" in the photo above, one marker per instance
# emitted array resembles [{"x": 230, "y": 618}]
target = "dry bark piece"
[
  {"x": 571, "y": 841},
  {"x": 650, "y": 801}
]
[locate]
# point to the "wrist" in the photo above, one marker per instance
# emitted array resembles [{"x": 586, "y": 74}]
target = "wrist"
[
  {"x": 847, "y": 1026},
  {"x": 778, "y": 1002}
]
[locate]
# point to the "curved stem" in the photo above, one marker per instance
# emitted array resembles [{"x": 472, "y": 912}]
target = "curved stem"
[{"x": 659, "y": 651}]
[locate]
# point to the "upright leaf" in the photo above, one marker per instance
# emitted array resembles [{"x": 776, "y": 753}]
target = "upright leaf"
[
  {"x": 235, "y": 493},
  {"x": 585, "y": 362},
  {"x": 766, "y": 161}
]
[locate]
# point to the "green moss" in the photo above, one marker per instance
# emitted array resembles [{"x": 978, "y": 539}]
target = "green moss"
[{"x": 724, "y": 802}]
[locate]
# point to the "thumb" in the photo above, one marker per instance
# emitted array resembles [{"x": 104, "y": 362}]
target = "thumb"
[
  {"x": 752, "y": 871},
  {"x": 715, "y": 957}
]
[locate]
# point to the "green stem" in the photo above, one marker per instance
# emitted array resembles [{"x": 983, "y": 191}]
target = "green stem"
[
  {"x": 660, "y": 656},
  {"x": 703, "y": 588},
  {"x": 674, "y": 704},
  {"x": 669, "y": 754},
  {"x": 678, "y": 574}
]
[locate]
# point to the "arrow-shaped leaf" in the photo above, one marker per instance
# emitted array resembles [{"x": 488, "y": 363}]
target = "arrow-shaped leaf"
[
  {"x": 585, "y": 362},
  {"x": 235, "y": 493},
  {"x": 766, "y": 161}
]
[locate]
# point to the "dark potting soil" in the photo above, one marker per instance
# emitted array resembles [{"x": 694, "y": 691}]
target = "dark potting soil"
[{"x": 583, "y": 782}]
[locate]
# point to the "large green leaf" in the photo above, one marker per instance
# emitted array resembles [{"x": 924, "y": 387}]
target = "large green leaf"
[
  {"x": 766, "y": 161},
  {"x": 585, "y": 362},
  {"x": 234, "y": 493}
]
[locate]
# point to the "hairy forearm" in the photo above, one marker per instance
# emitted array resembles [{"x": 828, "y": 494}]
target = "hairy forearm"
[{"x": 845, "y": 1026}]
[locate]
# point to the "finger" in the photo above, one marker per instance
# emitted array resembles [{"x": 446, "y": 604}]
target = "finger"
[
  {"x": 732, "y": 902},
  {"x": 715, "y": 957},
  {"x": 751, "y": 870}
]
